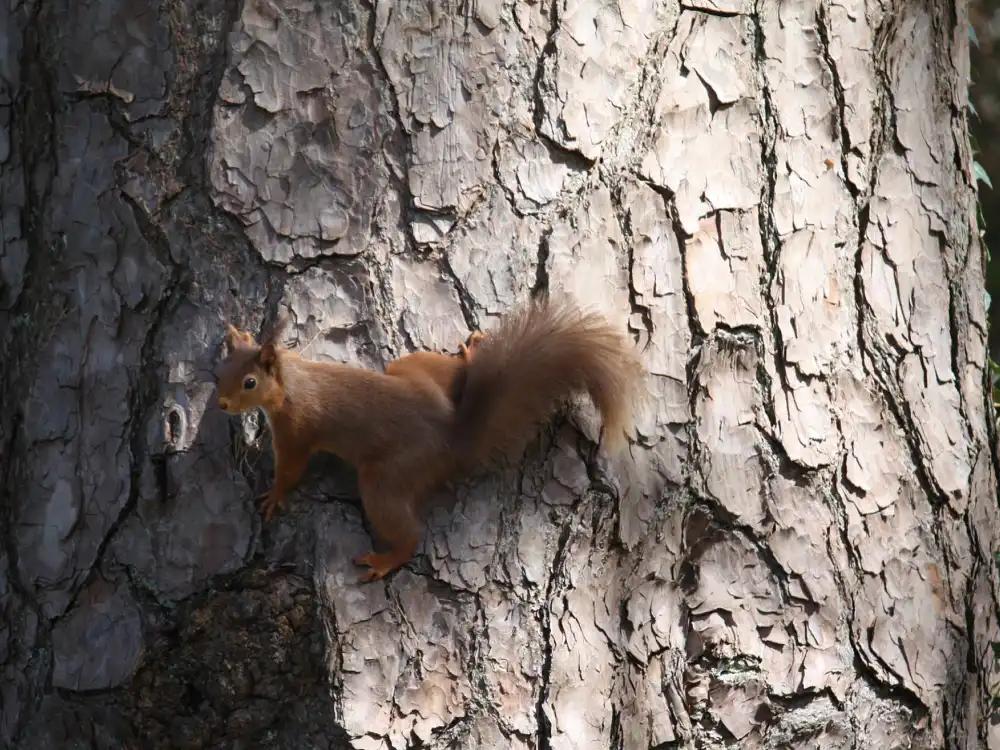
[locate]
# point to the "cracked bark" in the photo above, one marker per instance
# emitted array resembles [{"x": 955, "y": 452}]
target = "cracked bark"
[{"x": 776, "y": 199}]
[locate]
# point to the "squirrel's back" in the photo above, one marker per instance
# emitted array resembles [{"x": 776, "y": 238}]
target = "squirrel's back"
[
  {"x": 536, "y": 357},
  {"x": 359, "y": 413}
]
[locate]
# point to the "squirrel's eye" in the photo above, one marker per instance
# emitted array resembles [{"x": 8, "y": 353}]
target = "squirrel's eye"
[{"x": 249, "y": 384}]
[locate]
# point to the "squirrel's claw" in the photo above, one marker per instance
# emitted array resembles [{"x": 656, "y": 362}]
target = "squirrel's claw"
[
  {"x": 381, "y": 566},
  {"x": 269, "y": 501},
  {"x": 466, "y": 348},
  {"x": 371, "y": 576}
]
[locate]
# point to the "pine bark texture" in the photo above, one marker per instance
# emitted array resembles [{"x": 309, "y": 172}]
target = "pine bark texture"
[{"x": 776, "y": 198}]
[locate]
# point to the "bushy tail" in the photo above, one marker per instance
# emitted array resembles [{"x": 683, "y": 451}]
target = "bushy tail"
[{"x": 534, "y": 359}]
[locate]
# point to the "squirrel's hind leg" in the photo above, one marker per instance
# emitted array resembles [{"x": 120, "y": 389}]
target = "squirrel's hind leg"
[
  {"x": 381, "y": 564},
  {"x": 469, "y": 346},
  {"x": 394, "y": 519}
]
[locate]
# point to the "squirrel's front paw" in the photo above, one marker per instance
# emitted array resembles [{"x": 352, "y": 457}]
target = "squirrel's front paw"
[{"x": 269, "y": 501}]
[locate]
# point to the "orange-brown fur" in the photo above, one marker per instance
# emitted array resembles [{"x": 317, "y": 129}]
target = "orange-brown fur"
[
  {"x": 441, "y": 368},
  {"x": 430, "y": 416}
]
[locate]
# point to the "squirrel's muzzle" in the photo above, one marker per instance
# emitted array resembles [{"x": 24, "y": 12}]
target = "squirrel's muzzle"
[{"x": 224, "y": 403}]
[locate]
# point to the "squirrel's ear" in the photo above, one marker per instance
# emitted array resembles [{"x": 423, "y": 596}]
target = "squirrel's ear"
[
  {"x": 276, "y": 331},
  {"x": 267, "y": 357},
  {"x": 232, "y": 336},
  {"x": 236, "y": 337}
]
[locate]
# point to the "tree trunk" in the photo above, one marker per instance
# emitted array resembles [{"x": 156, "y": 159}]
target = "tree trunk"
[{"x": 776, "y": 199}]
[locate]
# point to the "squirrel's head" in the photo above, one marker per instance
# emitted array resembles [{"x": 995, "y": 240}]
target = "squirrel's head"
[{"x": 248, "y": 376}]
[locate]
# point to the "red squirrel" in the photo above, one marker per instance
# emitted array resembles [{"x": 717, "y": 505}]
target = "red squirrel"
[{"x": 431, "y": 417}]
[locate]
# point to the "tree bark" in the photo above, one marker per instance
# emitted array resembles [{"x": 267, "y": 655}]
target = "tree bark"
[{"x": 776, "y": 199}]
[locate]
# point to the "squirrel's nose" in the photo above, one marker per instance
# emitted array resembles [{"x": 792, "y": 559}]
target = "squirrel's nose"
[{"x": 224, "y": 404}]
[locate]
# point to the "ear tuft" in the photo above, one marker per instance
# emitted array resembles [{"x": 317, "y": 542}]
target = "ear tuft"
[
  {"x": 268, "y": 357},
  {"x": 236, "y": 338},
  {"x": 232, "y": 340},
  {"x": 269, "y": 346},
  {"x": 274, "y": 335}
]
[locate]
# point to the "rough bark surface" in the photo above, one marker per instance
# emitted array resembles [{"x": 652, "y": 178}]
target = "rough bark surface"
[{"x": 776, "y": 198}]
